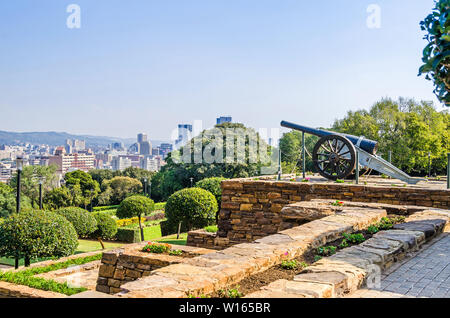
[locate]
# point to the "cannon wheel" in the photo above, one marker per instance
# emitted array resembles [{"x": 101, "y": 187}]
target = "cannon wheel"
[{"x": 334, "y": 157}]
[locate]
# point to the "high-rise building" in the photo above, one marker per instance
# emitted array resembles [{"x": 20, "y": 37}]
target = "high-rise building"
[
  {"x": 144, "y": 146},
  {"x": 165, "y": 149},
  {"x": 71, "y": 162},
  {"x": 224, "y": 119},
  {"x": 184, "y": 135},
  {"x": 141, "y": 137}
]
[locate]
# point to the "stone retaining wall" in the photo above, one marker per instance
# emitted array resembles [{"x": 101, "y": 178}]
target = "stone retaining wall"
[
  {"x": 251, "y": 208},
  {"x": 128, "y": 264}
]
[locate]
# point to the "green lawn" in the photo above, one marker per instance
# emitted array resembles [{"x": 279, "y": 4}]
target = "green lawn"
[
  {"x": 172, "y": 239},
  {"x": 85, "y": 246}
]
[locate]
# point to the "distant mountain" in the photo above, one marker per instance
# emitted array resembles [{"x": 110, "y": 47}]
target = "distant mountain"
[{"x": 59, "y": 138}]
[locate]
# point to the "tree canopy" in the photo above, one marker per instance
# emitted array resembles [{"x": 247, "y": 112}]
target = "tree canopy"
[{"x": 436, "y": 55}]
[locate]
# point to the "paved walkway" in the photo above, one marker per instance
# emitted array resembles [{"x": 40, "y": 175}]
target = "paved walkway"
[{"x": 427, "y": 274}]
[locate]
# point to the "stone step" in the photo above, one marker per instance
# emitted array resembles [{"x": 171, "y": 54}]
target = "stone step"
[{"x": 346, "y": 271}]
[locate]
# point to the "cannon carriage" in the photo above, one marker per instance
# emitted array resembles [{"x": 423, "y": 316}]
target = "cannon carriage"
[{"x": 335, "y": 154}]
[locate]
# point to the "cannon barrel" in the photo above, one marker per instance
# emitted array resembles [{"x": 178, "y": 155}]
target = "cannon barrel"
[{"x": 366, "y": 144}]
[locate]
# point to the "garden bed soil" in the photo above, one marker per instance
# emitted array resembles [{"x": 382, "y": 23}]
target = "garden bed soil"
[{"x": 254, "y": 282}]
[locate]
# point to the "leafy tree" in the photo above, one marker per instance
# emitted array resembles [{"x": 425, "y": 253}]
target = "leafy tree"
[
  {"x": 409, "y": 129},
  {"x": 35, "y": 234},
  {"x": 177, "y": 173},
  {"x": 436, "y": 55},
  {"x": 291, "y": 151},
  {"x": 101, "y": 175},
  {"x": 106, "y": 227},
  {"x": 136, "y": 205},
  {"x": 212, "y": 185},
  {"x": 83, "y": 221},
  {"x": 194, "y": 207},
  {"x": 137, "y": 173},
  {"x": 30, "y": 177},
  {"x": 117, "y": 189},
  {"x": 58, "y": 198},
  {"x": 8, "y": 201},
  {"x": 84, "y": 188}
]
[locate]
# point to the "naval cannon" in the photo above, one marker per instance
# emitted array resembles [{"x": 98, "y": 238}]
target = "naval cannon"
[{"x": 334, "y": 155}]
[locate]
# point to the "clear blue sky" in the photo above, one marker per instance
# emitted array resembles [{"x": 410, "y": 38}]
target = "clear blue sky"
[{"x": 147, "y": 65}]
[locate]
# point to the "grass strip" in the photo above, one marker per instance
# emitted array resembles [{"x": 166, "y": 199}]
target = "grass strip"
[{"x": 27, "y": 277}]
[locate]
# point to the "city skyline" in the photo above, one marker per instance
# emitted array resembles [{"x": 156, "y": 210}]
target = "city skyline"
[{"x": 260, "y": 62}]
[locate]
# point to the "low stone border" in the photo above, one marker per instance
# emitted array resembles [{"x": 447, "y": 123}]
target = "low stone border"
[
  {"x": 351, "y": 267},
  {"x": 208, "y": 273},
  {"x": 130, "y": 263},
  {"x": 202, "y": 238}
]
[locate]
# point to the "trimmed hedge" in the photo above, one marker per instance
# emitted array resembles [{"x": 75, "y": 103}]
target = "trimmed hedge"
[
  {"x": 106, "y": 226},
  {"x": 128, "y": 235},
  {"x": 193, "y": 207},
  {"x": 212, "y": 185},
  {"x": 33, "y": 234},
  {"x": 83, "y": 221},
  {"x": 136, "y": 205}
]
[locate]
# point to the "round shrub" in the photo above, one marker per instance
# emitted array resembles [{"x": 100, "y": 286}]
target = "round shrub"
[
  {"x": 212, "y": 185},
  {"x": 136, "y": 205},
  {"x": 106, "y": 226},
  {"x": 34, "y": 234},
  {"x": 83, "y": 221},
  {"x": 194, "y": 207}
]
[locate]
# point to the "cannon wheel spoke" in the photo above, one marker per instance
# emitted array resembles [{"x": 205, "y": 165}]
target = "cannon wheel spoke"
[{"x": 334, "y": 157}]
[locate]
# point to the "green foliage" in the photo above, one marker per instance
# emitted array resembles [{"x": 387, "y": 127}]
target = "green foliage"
[
  {"x": 157, "y": 248},
  {"x": 160, "y": 206},
  {"x": 211, "y": 229},
  {"x": 106, "y": 226},
  {"x": 436, "y": 55},
  {"x": 27, "y": 277},
  {"x": 117, "y": 189},
  {"x": 291, "y": 151},
  {"x": 194, "y": 207},
  {"x": 59, "y": 198},
  {"x": 83, "y": 221},
  {"x": 231, "y": 293},
  {"x": 30, "y": 177},
  {"x": 175, "y": 175},
  {"x": 128, "y": 235},
  {"x": 317, "y": 258},
  {"x": 343, "y": 244},
  {"x": 212, "y": 185},
  {"x": 8, "y": 201},
  {"x": 176, "y": 252},
  {"x": 136, "y": 205},
  {"x": 409, "y": 129},
  {"x": 37, "y": 234},
  {"x": 354, "y": 238},
  {"x": 326, "y": 250},
  {"x": 84, "y": 188},
  {"x": 292, "y": 264},
  {"x": 373, "y": 229}
]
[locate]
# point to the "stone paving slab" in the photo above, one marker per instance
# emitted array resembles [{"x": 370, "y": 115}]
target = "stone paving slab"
[{"x": 427, "y": 274}]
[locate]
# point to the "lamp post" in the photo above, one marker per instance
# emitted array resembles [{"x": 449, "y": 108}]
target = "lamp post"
[
  {"x": 41, "y": 181},
  {"x": 192, "y": 182},
  {"x": 19, "y": 165},
  {"x": 145, "y": 186}
]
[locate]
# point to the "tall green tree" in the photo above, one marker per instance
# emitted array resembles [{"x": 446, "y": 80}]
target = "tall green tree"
[
  {"x": 291, "y": 151},
  {"x": 436, "y": 55},
  {"x": 84, "y": 189},
  {"x": 409, "y": 129},
  {"x": 30, "y": 181}
]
